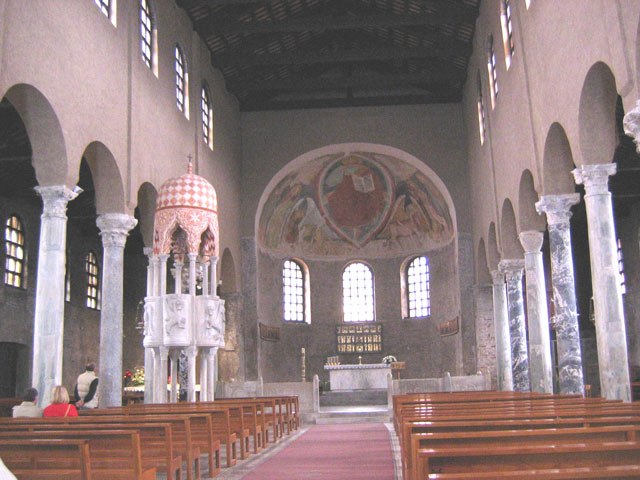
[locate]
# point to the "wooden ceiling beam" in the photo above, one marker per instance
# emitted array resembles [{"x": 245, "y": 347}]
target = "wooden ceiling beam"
[
  {"x": 355, "y": 81},
  {"x": 298, "y": 57},
  {"x": 213, "y": 26}
]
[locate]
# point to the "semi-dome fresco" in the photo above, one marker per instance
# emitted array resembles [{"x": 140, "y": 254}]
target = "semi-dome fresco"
[{"x": 367, "y": 203}]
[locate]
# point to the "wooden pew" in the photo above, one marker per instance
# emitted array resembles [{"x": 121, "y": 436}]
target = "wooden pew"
[
  {"x": 185, "y": 443},
  {"x": 514, "y": 458},
  {"x": 47, "y": 459},
  {"x": 519, "y": 437},
  {"x": 205, "y": 429},
  {"x": 617, "y": 472},
  {"x": 156, "y": 440},
  {"x": 113, "y": 453},
  {"x": 7, "y": 404}
]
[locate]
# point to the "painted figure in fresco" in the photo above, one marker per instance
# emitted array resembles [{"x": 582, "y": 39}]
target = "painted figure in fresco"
[{"x": 355, "y": 193}]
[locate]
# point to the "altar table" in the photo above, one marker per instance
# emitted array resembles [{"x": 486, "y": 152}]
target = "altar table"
[{"x": 358, "y": 377}]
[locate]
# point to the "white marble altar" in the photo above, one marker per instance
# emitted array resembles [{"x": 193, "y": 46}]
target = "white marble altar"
[{"x": 358, "y": 377}]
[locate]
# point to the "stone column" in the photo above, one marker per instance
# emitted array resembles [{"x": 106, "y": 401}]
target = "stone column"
[
  {"x": 211, "y": 373},
  {"x": 631, "y": 125},
  {"x": 214, "y": 278},
  {"x": 160, "y": 384},
  {"x": 605, "y": 279},
  {"x": 515, "y": 301},
  {"x": 503, "y": 342},
  {"x": 203, "y": 361},
  {"x": 537, "y": 313},
  {"x": 114, "y": 229},
  {"x": 148, "y": 352},
  {"x": 174, "y": 355},
  {"x": 177, "y": 277},
  {"x": 558, "y": 211},
  {"x": 48, "y": 328},
  {"x": 191, "y": 373},
  {"x": 192, "y": 273}
]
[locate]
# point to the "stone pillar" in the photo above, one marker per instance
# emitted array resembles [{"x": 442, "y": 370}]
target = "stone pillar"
[
  {"x": 205, "y": 278},
  {"x": 558, "y": 211},
  {"x": 192, "y": 273},
  {"x": 485, "y": 333},
  {"x": 605, "y": 279},
  {"x": 214, "y": 281},
  {"x": 515, "y": 301},
  {"x": 48, "y": 328},
  {"x": 148, "y": 352},
  {"x": 503, "y": 341},
  {"x": 203, "y": 358},
  {"x": 631, "y": 125},
  {"x": 537, "y": 313},
  {"x": 177, "y": 277},
  {"x": 174, "y": 355},
  {"x": 161, "y": 375},
  {"x": 191, "y": 374},
  {"x": 114, "y": 229},
  {"x": 211, "y": 373}
]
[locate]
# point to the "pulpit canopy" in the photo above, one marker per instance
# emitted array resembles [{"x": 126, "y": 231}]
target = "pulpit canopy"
[{"x": 186, "y": 218}]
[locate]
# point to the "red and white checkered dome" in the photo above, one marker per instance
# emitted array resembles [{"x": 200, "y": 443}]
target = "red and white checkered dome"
[{"x": 187, "y": 191}]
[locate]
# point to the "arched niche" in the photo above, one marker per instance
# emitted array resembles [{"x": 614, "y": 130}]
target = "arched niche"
[
  {"x": 107, "y": 179},
  {"x": 354, "y": 199},
  {"x": 483, "y": 275},
  {"x": 227, "y": 273},
  {"x": 557, "y": 162},
  {"x": 597, "y": 115},
  {"x": 527, "y": 198},
  {"x": 49, "y": 152},
  {"x": 493, "y": 257},
  {"x": 147, "y": 195},
  {"x": 511, "y": 247}
]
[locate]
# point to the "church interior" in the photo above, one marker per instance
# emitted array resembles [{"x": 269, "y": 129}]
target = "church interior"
[{"x": 246, "y": 198}]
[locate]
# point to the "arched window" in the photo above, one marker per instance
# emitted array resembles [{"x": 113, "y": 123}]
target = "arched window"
[
  {"x": 148, "y": 36},
  {"x": 67, "y": 281},
  {"x": 15, "y": 260},
  {"x": 207, "y": 117},
  {"x": 527, "y": 3},
  {"x": 491, "y": 68},
  {"x": 182, "y": 82},
  {"x": 93, "y": 281},
  {"x": 357, "y": 293},
  {"x": 507, "y": 31},
  {"x": 418, "y": 288},
  {"x": 108, "y": 7},
  {"x": 293, "y": 292},
  {"x": 482, "y": 120}
]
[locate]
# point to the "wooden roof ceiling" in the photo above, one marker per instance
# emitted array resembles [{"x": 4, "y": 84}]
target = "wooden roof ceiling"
[{"x": 288, "y": 54}]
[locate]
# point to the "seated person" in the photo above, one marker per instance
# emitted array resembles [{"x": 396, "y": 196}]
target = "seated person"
[
  {"x": 86, "y": 391},
  {"x": 29, "y": 407},
  {"x": 60, "y": 406}
]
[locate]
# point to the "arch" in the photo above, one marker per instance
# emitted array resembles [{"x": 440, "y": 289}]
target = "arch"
[
  {"x": 410, "y": 211},
  {"x": 147, "y": 195},
  {"x": 597, "y": 115},
  {"x": 527, "y": 198},
  {"x": 511, "y": 247},
  {"x": 358, "y": 292},
  {"x": 557, "y": 162},
  {"x": 107, "y": 180},
  {"x": 49, "y": 151},
  {"x": 483, "y": 275},
  {"x": 227, "y": 273},
  {"x": 493, "y": 257}
]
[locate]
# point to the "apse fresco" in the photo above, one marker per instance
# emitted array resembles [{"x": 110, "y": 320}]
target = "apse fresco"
[{"x": 360, "y": 203}]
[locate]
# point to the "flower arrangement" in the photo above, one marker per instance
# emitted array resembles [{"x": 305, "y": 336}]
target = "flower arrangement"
[
  {"x": 126, "y": 379},
  {"x": 389, "y": 359},
  {"x": 137, "y": 378}
]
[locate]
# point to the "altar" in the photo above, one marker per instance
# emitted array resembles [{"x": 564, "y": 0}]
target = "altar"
[{"x": 358, "y": 377}]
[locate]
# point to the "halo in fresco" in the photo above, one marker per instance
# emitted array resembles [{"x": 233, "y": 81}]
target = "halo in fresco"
[{"x": 356, "y": 203}]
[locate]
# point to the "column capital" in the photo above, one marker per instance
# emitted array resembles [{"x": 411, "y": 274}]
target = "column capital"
[
  {"x": 498, "y": 277},
  {"x": 557, "y": 207},
  {"x": 148, "y": 251},
  {"x": 631, "y": 124},
  {"x": 512, "y": 268},
  {"x": 594, "y": 177},
  {"x": 55, "y": 199},
  {"x": 114, "y": 228},
  {"x": 531, "y": 241}
]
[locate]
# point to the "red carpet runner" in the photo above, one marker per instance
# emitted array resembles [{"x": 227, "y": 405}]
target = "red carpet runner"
[{"x": 332, "y": 452}]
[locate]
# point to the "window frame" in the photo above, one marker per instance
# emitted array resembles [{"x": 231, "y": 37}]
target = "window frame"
[
  {"x": 182, "y": 81},
  {"x": 301, "y": 294},
  {"x": 148, "y": 36},
  {"x": 506, "y": 22},
  {"x": 15, "y": 266},
  {"x": 206, "y": 111},
  {"x": 409, "y": 291},
  {"x": 109, "y": 9},
  {"x": 93, "y": 294},
  {"x": 492, "y": 71},
  {"x": 482, "y": 114},
  {"x": 357, "y": 308}
]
